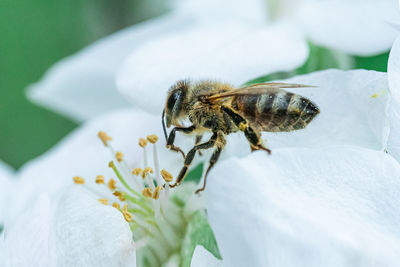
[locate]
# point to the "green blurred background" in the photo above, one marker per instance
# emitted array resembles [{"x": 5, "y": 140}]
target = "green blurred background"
[
  {"x": 37, "y": 33},
  {"x": 34, "y": 35}
]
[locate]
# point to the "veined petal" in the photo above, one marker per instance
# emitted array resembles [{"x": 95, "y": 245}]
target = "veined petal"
[
  {"x": 82, "y": 86},
  {"x": 202, "y": 257},
  {"x": 82, "y": 154},
  {"x": 307, "y": 207},
  {"x": 26, "y": 241},
  {"x": 87, "y": 233},
  {"x": 393, "y": 146},
  {"x": 229, "y": 51},
  {"x": 359, "y": 27}
]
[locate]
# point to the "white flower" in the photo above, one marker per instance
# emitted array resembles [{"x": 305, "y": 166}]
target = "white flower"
[
  {"x": 226, "y": 40},
  {"x": 6, "y": 187}
]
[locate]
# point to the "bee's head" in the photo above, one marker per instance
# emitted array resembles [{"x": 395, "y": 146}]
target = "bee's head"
[{"x": 174, "y": 105}]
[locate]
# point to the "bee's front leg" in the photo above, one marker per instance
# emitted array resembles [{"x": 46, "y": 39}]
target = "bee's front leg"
[{"x": 171, "y": 138}]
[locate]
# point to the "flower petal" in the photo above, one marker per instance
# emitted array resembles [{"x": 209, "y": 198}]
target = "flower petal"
[
  {"x": 307, "y": 207},
  {"x": 83, "y": 154},
  {"x": 231, "y": 52},
  {"x": 359, "y": 27},
  {"x": 354, "y": 111},
  {"x": 26, "y": 241},
  {"x": 393, "y": 146},
  {"x": 6, "y": 184},
  {"x": 82, "y": 86},
  {"x": 87, "y": 233},
  {"x": 202, "y": 257}
]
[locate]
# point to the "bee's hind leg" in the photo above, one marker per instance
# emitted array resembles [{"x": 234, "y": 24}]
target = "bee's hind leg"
[
  {"x": 252, "y": 137},
  {"x": 198, "y": 139},
  {"x": 213, "y": 160}
]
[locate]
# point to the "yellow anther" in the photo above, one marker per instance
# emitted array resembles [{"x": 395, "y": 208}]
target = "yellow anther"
[
  {"x": 137, "y": 171},
  {"x": 166, "y": 175},
  {"x": 125, "y": 208},
  {"x": 99, "y": 179},
  {"x": 119, "y": 156},
  {"x": 152, "y": 138},
  {"x": 111, "y": 164},
  {"x": 103, "y": 201},
  {"x": 156, "y": 193},
  {"x": 147, "y": 192},
  {"x": 119, "y": 195},
  {"x": 374, "y": 95},
  {"x": 146, "y": 171},
  {"x": 112, "y": 184},
  {"x": 142, "y": 142},
  {"x": 242, "y": 126},
  {"x": 116, "y": 205},
  {"x": 78, "y": 180},
  {"x": 104, "y": 137},
  {"x": 127, "y": 216}
]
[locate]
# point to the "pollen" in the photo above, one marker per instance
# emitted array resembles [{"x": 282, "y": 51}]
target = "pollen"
[
  {"x": 142, "y": 142},
  {"x": 119, "y": 156},
  {"x": 111, "y": 164},
  {"x": 147, "y": 192},
  {"x": 112, "y": 184},
  {"x": 99, "y": 179},
  {"x": 104, "y": 137},
  {"x": 156, "y": 193},
  {"x": 166, "y": 175},
  {"x": 137, "y": 171},
  {"x": 242, "y": 126},
  {"x": 103, "y": 201},
  {"x": 146, "y": 171},
  {"x": 116, "y": 205},
  {"x": 127, "y": 216},
  {"x": 152, "y": 138},
  {"x": 119, "y": 195},
  {"x": 374, "y": 95},
  {"x": 78, "y": 180}
]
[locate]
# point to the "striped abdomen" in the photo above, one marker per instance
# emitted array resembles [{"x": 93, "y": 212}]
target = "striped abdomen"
[{"x": 278, "y": 111}]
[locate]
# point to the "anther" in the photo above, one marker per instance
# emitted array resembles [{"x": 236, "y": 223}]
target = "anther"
[
  {"x": 127, "y": 216},
  {"x": 137, "y": 171},
  {"x": 116, "y": 205},
  {"x": 152, "y": 138},
  {"x": 78, "y": 180},
  {"x": 156, "y": 193},
  {"x": 104, "y": 137},
  {"x": 147, "y": 192},
  {"x": 112, "y": 184},
  {"x": 146, "y": 171},
  {"x": 111, "y": 164},
  {"x": 166, "y": 175},
  {"x": 99, "y": 179},
  {"x": 103, "y": 201},
  {"x": 142, "y": 142},
  {"x": 119, "y": 156}
]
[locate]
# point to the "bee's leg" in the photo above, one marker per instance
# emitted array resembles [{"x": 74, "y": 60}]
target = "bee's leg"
[
  {"x": 213, "y": 160},
  {"x": 190, "y": 156},
  {"x": 171, "y": 138},
  {"x": 253, "y": 138},
  {"x": 198, "y": 139}
]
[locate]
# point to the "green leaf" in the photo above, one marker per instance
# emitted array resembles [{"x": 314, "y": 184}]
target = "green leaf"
[
  {"x": 198, "y": 232},
  {"x": 195, "y": 174}
]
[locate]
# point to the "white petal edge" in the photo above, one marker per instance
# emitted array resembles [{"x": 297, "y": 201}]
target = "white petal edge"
[
  {"x": 82, "y": 86},
  {"x": 363, "y": 27},
  {"x": 87, "y": 233},
  {"x": 202, "y": 257},
  {"x": 307, "y": 207},
  {"x": 6, "y": 187},
  {"x": 227, "y": 51}
]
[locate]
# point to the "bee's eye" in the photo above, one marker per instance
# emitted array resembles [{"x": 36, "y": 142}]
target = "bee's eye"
[{"x": 172, "y": 100}]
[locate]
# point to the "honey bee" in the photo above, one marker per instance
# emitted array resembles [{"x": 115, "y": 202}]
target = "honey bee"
[{"x": 221, "y": 109}]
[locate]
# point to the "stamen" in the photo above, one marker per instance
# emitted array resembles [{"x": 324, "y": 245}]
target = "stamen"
[
  {"x": 78, "y": 180},
  {"x": 166, "y": 175},
  {"x": 116, "y": 205},
  {"x": 152, "y": 138},
  {"x": 156, "y": 193},
  {"x": 119, "y": 156},
  {"x": 104, "y": 137},
  {"x": 142, "y": 142},
  {"x": 147, "y": 192},
  {"x": 112, "y": 184},
  {"x": 99, "y": 179},
  {"x": 137, "y": 171},
  {"x": 126, "y": 213},
  {"x": 103, "y": 201},
  {"x": 119, "y": 195}
]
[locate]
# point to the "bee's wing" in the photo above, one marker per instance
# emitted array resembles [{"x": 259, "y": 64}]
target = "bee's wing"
[{"x": 256, "y": 89}]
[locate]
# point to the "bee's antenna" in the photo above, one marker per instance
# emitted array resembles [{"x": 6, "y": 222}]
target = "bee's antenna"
[{"x": 163, "y": 124}]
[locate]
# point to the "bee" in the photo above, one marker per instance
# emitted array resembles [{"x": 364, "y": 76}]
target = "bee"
[{"x": 221, "y": 109}]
